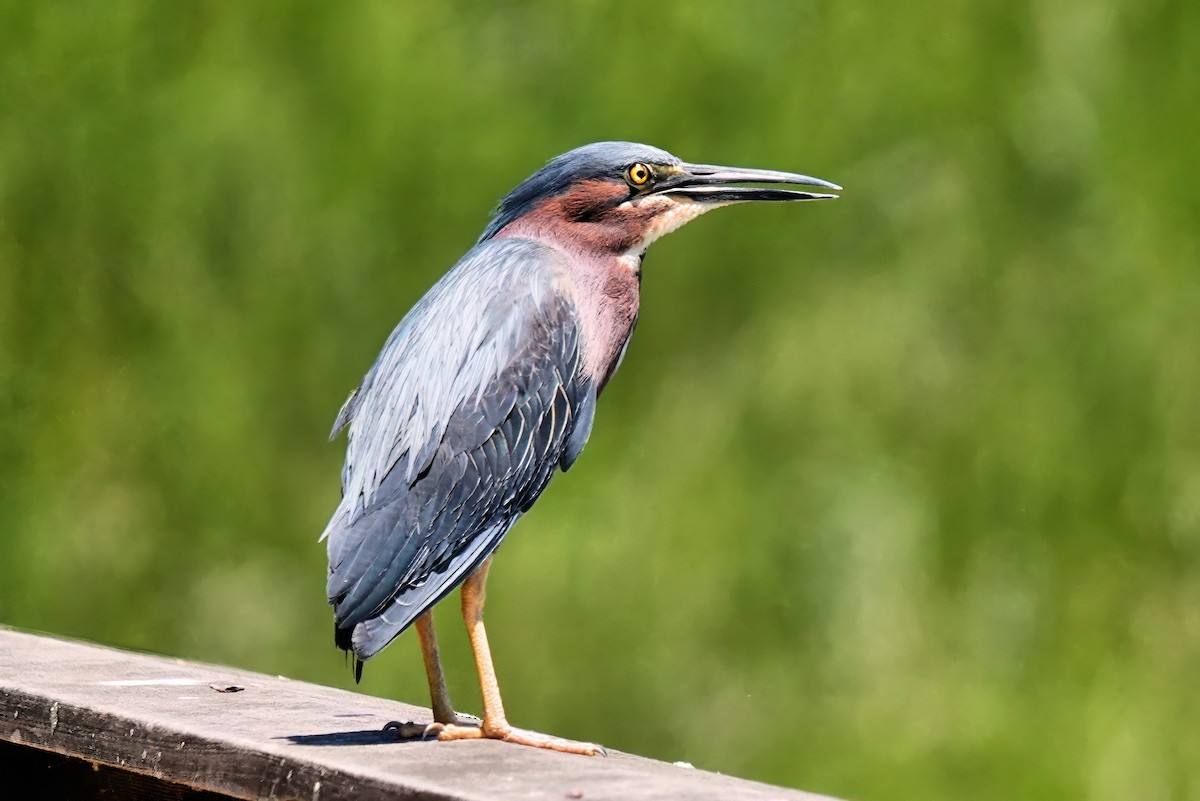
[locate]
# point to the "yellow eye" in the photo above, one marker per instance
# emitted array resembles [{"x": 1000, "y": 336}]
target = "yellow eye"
[{"x": 638, "y": 174}]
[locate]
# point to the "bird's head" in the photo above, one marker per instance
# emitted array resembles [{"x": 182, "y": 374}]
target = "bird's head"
[{"x": 619, "y": 197}]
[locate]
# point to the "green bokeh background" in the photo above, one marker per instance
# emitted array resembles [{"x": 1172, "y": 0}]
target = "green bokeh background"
[{"x": 895, "y": 497}]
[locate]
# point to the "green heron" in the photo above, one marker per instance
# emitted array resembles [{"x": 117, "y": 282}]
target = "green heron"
[{"x": 488, "y": 386}]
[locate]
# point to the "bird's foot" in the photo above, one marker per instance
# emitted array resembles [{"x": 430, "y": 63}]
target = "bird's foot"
[
  {"x": 411, "y": 729},
  {"x": 509, "y": 734}
]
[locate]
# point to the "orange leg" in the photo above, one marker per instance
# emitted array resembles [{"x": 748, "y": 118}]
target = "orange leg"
[
  {"x": 495, "y": 726},
  {"x": 443, "y": 710}
]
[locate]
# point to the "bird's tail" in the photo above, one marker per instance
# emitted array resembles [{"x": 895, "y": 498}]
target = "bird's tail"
[{"x": 342, "y": 639}]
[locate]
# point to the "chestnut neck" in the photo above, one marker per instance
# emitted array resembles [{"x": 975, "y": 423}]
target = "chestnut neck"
[
  {"x": 602, "y": 244},
  {"x": 588, "y": 221}
]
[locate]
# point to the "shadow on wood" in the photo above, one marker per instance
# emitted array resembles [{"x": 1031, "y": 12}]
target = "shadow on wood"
[{"x": 365, "y": 737}]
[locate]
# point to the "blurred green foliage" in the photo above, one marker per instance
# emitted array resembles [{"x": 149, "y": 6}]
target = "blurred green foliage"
[{"x": 894, "y": 497}]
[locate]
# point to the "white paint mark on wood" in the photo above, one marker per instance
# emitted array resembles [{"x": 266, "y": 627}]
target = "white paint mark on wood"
[{"x": 152, "y": 682}]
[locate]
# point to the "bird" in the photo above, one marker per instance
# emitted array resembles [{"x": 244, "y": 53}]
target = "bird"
[{"x": 489, "y": 386}]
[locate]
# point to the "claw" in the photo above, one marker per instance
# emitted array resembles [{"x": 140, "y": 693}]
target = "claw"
[
  {"x": 414, "y": 730},
  {"x": 411, "y": 730}
]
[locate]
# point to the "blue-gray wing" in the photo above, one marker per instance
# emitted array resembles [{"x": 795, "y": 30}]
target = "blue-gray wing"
[{"x": 475, "y": 400}]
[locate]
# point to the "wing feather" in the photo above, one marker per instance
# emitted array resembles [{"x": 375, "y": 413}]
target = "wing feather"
[{"x": 486, "y": 371}]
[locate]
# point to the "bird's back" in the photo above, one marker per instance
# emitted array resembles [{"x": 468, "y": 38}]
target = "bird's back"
[{"x": 476, "y": 398}]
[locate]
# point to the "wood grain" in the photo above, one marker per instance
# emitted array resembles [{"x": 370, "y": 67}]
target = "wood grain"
[{"x": 162, "y": 718}]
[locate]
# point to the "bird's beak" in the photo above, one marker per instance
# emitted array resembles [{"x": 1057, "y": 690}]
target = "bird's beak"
[{"x": 710, "y": 184}]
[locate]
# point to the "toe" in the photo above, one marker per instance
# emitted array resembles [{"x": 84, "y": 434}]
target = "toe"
[
  {"x": 459, "y": 733},
  {"x": 411, "y": 730}
]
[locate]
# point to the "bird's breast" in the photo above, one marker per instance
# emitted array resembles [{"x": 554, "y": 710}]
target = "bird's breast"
[{"x": 608, "y": 293}]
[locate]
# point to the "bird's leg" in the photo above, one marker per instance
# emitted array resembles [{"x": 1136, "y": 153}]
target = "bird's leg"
[
  {"x": 443, "y": 710},
  {"x": 495, "y": 726}
]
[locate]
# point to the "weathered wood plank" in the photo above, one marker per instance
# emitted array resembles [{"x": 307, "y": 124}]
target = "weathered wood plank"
[
  {"x": 286, "y": 739},
  {"x": 27, "y": 772}
]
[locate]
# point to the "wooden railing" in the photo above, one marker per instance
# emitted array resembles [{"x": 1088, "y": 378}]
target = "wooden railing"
[{"x": 80, "y": 720}]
